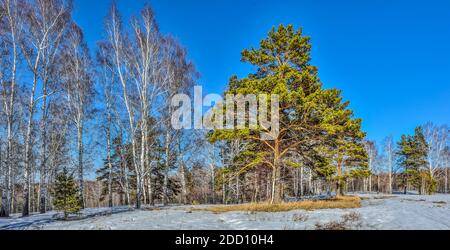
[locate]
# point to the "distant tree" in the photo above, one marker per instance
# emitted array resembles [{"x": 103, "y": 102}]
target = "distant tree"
[
  {"x": 372, "y": 154},
  {"x": 66, "y": 194},
  {"x": 437, "y": 141},
  {"x": 412, "y": 154},
  {"x": 389, "y": 158}
]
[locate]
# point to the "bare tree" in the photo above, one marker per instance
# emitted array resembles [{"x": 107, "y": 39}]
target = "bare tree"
[
  {"x": 437, "y": 139},
  {"x": 179, "y": 76},
  {"x": 389, "y": 152},
  {"x": 107, "y": 80},
  {"x": 10, "y": 35},
  {"x": 150, "y": 79},
  {"x": 446, "y": 166},
  {"x": 46, "y": 22},
  {"x": 120, "y": 54},
  {"x": 372, "y": 154}
]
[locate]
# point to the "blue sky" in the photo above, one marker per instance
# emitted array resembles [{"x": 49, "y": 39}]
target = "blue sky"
[{"x": 390, "y": 58}]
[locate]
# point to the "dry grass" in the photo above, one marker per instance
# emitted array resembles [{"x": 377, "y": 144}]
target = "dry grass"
[
  {"x": 152, "y": 209},
  {"x": 349, "y": 221},
  {"x": 384, "y": 197},
  {"x": 340, "y": 202}
]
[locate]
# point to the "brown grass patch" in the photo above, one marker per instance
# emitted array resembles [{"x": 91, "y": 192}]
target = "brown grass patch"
[
  {"x": 384, "y": 197},
  {"x": 339, "y": 202},
  {"x": 152, "y": 209},
  {"x": 349, "y": 221}
]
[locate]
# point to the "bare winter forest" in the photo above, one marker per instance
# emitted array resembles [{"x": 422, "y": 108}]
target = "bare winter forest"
[{"x": 91, "y": 127}]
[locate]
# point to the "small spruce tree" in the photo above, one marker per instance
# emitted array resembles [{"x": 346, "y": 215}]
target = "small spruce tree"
[{"x": 66, "y": 194}]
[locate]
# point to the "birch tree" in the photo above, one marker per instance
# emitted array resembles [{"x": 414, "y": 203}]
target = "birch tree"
[
  {"x": 120, "y": 45},
  {"x": 437, "y": 141},
  {"x": 11, "y": 21},
  {"x": 372, "y": 154},
  {"x": 107, "y": 80},
  {"x": 179, "y": 78},
  {"x": 137, "y": 62},
  {"x": 46, "y": 23},
  {"x": 78, "y": 87},
  {"x": 150, "y": 79},
  {"x": 389, "y": 152}
]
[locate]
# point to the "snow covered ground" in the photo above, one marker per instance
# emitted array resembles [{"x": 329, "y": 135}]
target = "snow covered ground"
[{"x": 377, "y": 212}]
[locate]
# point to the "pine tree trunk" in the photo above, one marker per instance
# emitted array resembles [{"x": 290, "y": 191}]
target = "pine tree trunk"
[
  {"x": 255, "y": 199},
  {"x": 339, "y": 189},
  {"x": 276, "y": 195},
  {"x": 276, "y": 188}
]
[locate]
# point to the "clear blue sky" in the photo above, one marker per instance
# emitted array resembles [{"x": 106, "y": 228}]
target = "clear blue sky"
[{"x": 391, "y": 58}]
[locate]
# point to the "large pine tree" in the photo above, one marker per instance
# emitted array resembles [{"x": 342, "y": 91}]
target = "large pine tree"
[{"x": 310, "y": 117}]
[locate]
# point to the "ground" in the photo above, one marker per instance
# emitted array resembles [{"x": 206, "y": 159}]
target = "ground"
[{"x": 377, "y": 212}]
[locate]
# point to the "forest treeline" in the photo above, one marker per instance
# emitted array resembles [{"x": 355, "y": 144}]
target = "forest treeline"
[{"x": 96, "y": 122}]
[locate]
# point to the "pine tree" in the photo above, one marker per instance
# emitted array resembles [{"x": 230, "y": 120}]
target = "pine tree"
[
  {"x": 412, "y": 157},
  {"x": 307, "y": 112},
  {"x": 119, "y": 172},
  {"x": 66, "y": 194},
  {"x": 344, "y": 145}
]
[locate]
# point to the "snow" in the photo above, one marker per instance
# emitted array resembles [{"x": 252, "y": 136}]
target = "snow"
[
  {"x": 37, "y": 220},
  {"x": 377, "y": 212}
]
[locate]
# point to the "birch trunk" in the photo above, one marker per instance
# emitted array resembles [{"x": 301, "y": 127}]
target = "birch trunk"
[
  {"x": 301, "y": 182},
  {"x": 108, "y": 138},
  {"x": 446, "y": 180},
  {"x": 166, "y": 168},
  {"x": 80, "y": 161},
  {"x": 9, "y": 109},
  {"x": 43, "y": 167},
  {"x": 28, "y": 149}
]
